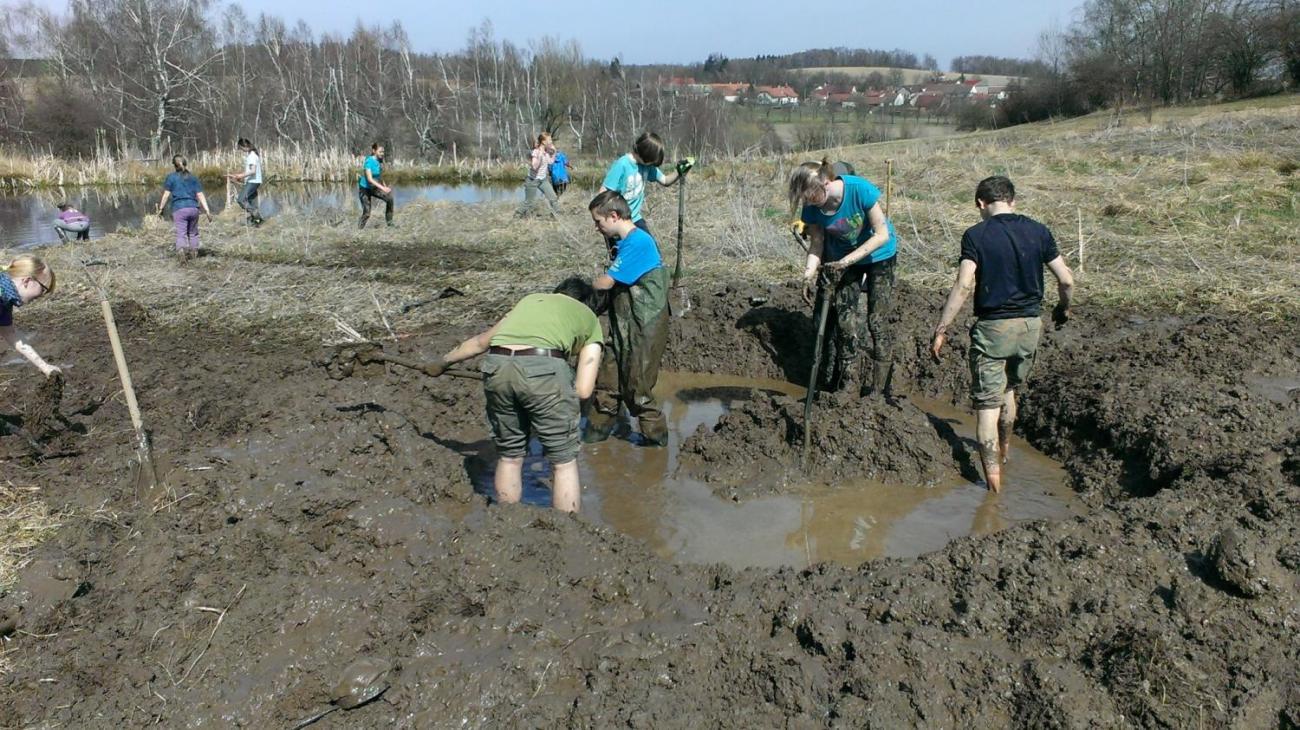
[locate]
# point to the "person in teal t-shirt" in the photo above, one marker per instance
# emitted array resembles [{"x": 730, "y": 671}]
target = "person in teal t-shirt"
[
  {"x": 854, "y": 244},
  {"x": 371, "y": 185},
  {"x": 630, "y": 173}
]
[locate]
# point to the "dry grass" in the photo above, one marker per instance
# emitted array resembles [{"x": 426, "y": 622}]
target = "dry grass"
[
  {"x": 1196, "y": 211},
  {"x": 25, "y": 522},
  {"x": 26, "y": 172}
]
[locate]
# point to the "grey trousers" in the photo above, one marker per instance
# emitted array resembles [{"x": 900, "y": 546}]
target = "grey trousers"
[{"x": 538, "y": 188}]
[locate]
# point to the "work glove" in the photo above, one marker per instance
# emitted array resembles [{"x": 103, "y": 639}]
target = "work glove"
[
  {"x": 684, "y": 166},
  {"x": 435, "y": 368},
  {"x": 1060, "y": 315},
  {"x": 797, "y": 226}
]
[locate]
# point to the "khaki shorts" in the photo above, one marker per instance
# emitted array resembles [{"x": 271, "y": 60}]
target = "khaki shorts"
[
  {"x": 531, "y": 394},
  {"x": 1001, "y": 355}
]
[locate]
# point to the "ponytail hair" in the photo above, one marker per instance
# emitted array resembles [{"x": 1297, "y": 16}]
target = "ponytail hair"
[
  {"x": 29, "y": 265},
  {"x": 543, "y": 138},
  {"x": 246, "y": 144},
  {"x": 808, "y": 177},
  {"x": 181, "y": 164}
]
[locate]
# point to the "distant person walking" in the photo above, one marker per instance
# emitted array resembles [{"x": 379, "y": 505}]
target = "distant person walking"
[
  {"x": 628, "y": 175},
  {"x": 26, "y": 279},
  {"x": 371, "y": 185},
  {"x": 560, "y": 170},
  {"x": 538, "y": 183},
  {"x": 251, "y": 178},
  {"x": 849, "y": 239},
  {"x": 185, "y": 192},
  {"x": 72, "y": 222},
  {"x": 1002, "y": 261}
]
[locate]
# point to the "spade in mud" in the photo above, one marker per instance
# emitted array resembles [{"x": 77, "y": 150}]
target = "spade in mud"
[
  {"x": 354, "y": 358},
  {"x": 362, "y": 682},
  {"x": 42, "y": 414}
]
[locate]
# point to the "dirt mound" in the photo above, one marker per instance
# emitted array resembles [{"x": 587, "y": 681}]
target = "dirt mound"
[{"x": 756, "y": 448}]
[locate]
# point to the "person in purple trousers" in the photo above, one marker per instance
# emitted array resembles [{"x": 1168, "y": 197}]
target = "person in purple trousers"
[{"x": 186, "y": 195}]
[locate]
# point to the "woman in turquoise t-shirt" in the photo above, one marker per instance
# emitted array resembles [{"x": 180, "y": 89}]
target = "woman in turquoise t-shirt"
[
  {"x": 629, "y": 174},
  {"x": 852, "y": 242}
]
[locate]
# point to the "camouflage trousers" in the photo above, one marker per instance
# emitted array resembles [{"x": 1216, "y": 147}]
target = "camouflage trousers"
[
  {"x": 637, "y": 338},
  {"x": 847, "y": 328}
]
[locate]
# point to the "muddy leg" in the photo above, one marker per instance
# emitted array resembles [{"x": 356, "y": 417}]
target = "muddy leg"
[
  {"x": 847, "y": 324},
  {"x": 602, "y": 409},
  {"x": 1006, "y": 421},
  {"x": 879, "y": 287},
  {"x": 509, "y": 480},
  {"x": 986, "y": 433},
  {"x": 566, "y": 493}
]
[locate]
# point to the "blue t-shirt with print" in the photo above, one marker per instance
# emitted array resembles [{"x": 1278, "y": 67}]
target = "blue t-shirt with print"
[
  {"x": 637, "y": 255},
  {"x": 185, "y": 189},
  {"x": 560, "y": 169},
  {"x": 629, "y": 178},
  {"x": 376, "y": 169},
  {"x": 849, "y": 226}
]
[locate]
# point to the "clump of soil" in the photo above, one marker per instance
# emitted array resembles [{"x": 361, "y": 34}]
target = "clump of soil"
[
  {"x": 42, "y": 411},
  {"x": 755, "y": 448}
]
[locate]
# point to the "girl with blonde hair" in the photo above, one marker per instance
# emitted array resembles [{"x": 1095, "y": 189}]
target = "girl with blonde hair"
[{"x": 25, "y": 279}]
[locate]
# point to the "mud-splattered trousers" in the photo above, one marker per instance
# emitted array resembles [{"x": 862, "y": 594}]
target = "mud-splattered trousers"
[
  {"x": 638, "y": 336},
  {"x": 847, "y": 327}
]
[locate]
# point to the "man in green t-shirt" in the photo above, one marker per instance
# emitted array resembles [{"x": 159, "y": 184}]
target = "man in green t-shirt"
[{"x": 530, "y": 387}]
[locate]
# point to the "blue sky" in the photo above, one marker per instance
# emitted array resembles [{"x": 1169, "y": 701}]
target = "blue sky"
[{"x": 683, "y": 31}]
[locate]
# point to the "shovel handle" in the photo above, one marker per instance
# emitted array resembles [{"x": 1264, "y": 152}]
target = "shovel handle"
[{"x": 415, "y": 365}]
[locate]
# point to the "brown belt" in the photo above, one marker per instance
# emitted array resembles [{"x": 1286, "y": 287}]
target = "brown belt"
[{"x": 543, "y": 352}]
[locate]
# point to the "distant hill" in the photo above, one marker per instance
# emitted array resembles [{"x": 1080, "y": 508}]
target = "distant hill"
[{"x": 910, "y": 75}]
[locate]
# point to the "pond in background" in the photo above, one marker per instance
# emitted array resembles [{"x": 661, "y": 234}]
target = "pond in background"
[{"x": 27, "y": 219}]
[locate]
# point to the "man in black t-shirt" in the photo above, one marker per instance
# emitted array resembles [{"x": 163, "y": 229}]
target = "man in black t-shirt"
[{"x": 1002, "y": 261}]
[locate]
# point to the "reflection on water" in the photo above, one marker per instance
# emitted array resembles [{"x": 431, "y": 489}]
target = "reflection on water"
[
  {"x": 642, "y": 493},
  {"x": 27, "y": 219}
]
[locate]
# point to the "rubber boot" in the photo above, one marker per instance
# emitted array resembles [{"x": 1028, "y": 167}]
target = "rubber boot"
[
  {"x": 882, "y": 380},
  {"x": 599, "y": 426},
  {"x": 654, "y": 432}
]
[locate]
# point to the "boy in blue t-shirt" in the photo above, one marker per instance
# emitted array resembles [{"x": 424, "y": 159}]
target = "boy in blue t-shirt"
[
  {"x": 560, "y": 173},
  {"x": 629, "y": 174},
  {"x": 638, "y": 323},
  {"x": 371, "y": 185}
]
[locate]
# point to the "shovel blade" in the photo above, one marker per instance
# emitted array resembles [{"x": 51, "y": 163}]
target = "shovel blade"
[{"x": 680, "y": 301}]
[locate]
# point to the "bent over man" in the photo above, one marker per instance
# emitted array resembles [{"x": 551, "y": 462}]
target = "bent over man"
[
  {"x": 530, "y": 387},
  {"x": 1002, "y": 261}
]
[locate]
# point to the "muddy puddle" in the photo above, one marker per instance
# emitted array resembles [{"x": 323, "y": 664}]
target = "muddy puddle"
[{"x": 643, "y": 493}]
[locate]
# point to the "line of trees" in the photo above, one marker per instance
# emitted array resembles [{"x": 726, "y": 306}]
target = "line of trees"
[
  {"x": 1145, "y": 52},
  {"x": 154, "y": 77}
]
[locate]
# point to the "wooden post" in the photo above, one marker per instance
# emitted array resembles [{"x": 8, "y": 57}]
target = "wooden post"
[
  {"x": 1080, "y": 212},
  {"x": 889, "y": 184}
]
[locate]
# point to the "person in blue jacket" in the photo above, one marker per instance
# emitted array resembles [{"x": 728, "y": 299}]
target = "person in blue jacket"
[{"x": 560, "y": 170}]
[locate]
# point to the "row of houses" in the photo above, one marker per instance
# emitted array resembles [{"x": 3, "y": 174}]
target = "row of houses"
[{"x": 934, "y": 97}]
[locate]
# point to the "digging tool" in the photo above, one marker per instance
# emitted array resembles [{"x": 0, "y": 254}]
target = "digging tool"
[
  {"x": 146, "y": 484},
  {"x": 680, "y": 296},
  {"x": 823, "y": 310},
  {"x": 343, "y": 361}
]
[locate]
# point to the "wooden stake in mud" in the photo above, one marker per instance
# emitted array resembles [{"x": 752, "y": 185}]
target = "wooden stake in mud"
[
  {"x": 681, "y": 298},
  {"x": 147, "y": 477},
  {"x": 889, "y": 184},
  {"x": 823, "y": 309}
]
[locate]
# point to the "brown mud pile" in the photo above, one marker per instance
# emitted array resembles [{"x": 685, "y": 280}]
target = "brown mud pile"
[
  {"x": 756, "y": 448},
  {"x": 317, "y": 522}
]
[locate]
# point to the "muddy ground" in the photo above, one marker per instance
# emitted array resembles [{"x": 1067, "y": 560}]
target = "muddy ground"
[{"x": 314, "y": 522}]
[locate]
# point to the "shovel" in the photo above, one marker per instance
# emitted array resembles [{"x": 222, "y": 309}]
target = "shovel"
[
  {"x": 146, "y": 482},
  {"x": 680, "y": 299},
  {"x": 343, "y": 362},
  {"x": 823, "y": 309}
]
